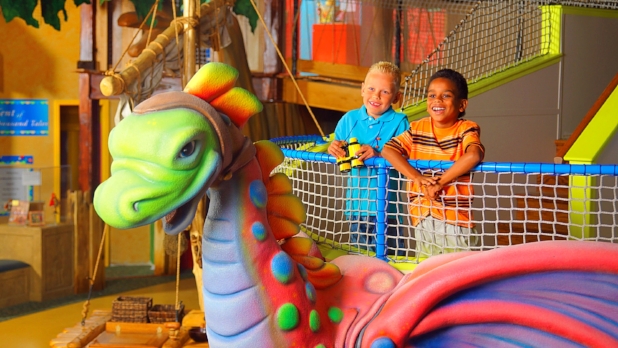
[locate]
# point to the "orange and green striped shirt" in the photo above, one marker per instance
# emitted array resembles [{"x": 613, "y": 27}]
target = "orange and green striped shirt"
[{"x": 423, "y": 141}]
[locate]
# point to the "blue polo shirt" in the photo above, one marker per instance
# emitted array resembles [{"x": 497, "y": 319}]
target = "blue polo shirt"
[{"x": 361, "y": 190}]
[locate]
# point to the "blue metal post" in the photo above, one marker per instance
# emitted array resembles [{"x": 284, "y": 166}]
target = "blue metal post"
[{"x": 382, "y": 211}]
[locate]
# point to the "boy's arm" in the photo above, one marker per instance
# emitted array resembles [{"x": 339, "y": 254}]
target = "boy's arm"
[
  {"x": 401, "y": 164},
  {"x": 335, "y": 147}
]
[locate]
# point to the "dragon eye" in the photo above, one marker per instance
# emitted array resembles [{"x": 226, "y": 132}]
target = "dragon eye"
[{"x": 187, "y": 150}]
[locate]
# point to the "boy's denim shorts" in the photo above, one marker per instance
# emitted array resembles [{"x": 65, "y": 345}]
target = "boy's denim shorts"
[{"x": 363, "y": 235}]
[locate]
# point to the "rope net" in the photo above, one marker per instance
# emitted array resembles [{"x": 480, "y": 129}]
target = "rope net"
[
  {"x": 490, "y": 37},
  {"x": 477, "y": 38},
  {"x": 512, "y": 203}
]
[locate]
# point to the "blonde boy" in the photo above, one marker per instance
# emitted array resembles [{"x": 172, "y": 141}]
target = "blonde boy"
[{"x": 373, "y": 124}]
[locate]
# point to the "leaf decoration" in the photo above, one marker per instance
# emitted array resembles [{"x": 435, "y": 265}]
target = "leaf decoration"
[
  {"x": 244, "y": 8},
  {"x": 22, "y": 9},
  {"x": 50, "y": 9},
  {"x": 142, "y": 7}
]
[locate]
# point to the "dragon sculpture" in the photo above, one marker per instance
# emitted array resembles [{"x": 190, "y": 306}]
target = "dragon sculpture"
[{"x": 264, "y": 286}]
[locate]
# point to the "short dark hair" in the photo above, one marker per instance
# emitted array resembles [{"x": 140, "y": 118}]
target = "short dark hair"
[{"x": 455, "y": 77}]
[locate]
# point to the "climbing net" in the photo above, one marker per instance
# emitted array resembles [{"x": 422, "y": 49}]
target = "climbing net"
[
  {"x": 489, "y": 37},
  {"x": 512, "y": 203}
]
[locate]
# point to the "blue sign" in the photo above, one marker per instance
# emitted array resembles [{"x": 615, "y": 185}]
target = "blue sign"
[{"x": 20, "y": 117}]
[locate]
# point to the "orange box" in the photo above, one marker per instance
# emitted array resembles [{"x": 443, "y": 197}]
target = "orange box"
[{"x": 336, "y": 43}]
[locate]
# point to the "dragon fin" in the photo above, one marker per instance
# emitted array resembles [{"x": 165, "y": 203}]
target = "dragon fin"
[
  {"x": 211, "y": 81},
  {"x": 214, "y": 83},
  {"x": 285, "y": 213}
]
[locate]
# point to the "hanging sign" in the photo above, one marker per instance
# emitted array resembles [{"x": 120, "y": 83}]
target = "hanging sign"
[{"x": 22, "y": 117}]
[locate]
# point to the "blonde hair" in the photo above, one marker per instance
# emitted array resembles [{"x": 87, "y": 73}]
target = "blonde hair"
[{"x": 389, "y": 69}]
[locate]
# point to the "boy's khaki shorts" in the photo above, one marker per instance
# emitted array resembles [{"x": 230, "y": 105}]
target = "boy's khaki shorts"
[{"x": 435, "y": 237}]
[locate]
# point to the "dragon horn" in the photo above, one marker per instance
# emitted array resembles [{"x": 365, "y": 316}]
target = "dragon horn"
[
  {"x": 214, "y": 83},
  {"x": 211, "y": 81}
]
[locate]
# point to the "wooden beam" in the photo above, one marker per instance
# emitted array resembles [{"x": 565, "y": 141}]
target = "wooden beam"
[
  {"x": 85, "y": 133},
  {"x": 86, "y": 105},
  {"x": 323, "y": 95},
  {"x": 335, "y": 71},
  {"x": 115, "y": 85}
]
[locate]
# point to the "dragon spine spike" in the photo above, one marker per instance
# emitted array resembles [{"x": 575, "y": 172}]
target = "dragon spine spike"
[
  {"x": 214, "y": 83},
  {"x": 211, "y": 81},
  {"x": 238, "y": 104}
]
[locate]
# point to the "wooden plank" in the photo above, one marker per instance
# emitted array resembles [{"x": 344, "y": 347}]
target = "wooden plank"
[
  {"x": 80, "y": 335},
  {"x": 273, "y": 16},
  {"x": 87, "y": 37},
  {"x": 96, "y": 263},
  {"x": 163, "y": 263},
  {"x": 179, "y": 340},
  {"x": 122, "y": 327},
  {"x": 85, "y": 133},
  {"x": 81, "y": 240},
  {"x": 323, "y": 95},
  {"x": 336, "y": 71},
  {"x": 129, "y": 340}
]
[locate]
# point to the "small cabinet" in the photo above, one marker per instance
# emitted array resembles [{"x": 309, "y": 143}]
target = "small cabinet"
[{"x": 49, "y": 252}]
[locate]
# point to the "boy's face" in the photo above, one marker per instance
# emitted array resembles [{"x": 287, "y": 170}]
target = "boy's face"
[
  {"x": 443, "y": 103},
  {"x": 379, "y": 92}
]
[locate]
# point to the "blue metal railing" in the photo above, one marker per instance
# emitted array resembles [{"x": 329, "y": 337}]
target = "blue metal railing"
[{"x": 291, "y": 145}]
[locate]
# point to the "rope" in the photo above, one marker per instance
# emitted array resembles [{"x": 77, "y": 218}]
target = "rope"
[
  {"x": 133, "y": 39},
  {"x": 180, "y": 236},
  {"x": 154, "y": 16},
  {"x": 86, "y": 305},
  {"x": 287, "y": 68}
]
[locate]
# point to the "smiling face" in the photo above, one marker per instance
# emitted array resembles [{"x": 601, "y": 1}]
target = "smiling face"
[
  {"x": 443, "y": 102},
  {"x": 379, "y": 92}
]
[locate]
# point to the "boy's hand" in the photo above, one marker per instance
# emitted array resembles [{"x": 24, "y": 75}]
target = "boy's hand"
[
  {"x": 433, "y": 191},
  {"x": 335, "y": 148},
  {"x": 366, "y": 152},
  {"x": 425, "y": 180}
]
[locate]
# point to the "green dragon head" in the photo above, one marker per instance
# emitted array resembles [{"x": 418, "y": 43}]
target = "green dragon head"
[{"x": 171, "y": 149}]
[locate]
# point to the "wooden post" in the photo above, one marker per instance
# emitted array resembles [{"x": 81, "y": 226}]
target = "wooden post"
[
  {"x": 86, "y": 105},
  {"x": 163, "y": 263},
  {"x": 191, "y": 11},
  {"x": 196, "y": 232},
  {"x": 88, "y": 230}
]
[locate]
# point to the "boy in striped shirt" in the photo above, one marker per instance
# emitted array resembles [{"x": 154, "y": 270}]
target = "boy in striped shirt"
[{"x": 439, "y": 206}]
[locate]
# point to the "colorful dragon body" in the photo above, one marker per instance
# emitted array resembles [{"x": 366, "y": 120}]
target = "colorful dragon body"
[{"x": 264, "y": 286}]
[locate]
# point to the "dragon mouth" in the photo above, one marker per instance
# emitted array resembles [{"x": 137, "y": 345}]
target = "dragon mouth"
[
  {"x": 169, "y": 218},
  {"x": 179, "y": 219}
]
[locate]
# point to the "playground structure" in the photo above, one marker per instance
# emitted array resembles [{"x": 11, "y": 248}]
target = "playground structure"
[
  {"x": 590, "y": 212},
  {"x": 519, "y": 36},
  {"x": 266, "y": 285}
]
